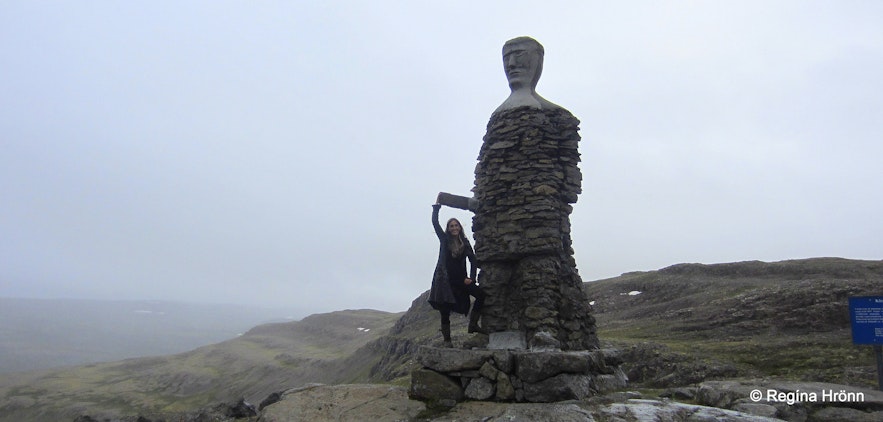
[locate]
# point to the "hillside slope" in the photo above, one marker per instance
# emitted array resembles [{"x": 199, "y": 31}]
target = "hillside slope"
[
  {"x": 46, "y": 333},
  {"x": 690, "y": 322},
  {"x": 784, "y": 319},
  {"x": 676, "y": 326},
  {"x": 267, "y": 358}
]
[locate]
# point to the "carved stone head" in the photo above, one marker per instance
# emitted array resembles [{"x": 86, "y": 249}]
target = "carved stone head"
[{"x": 523, "y": 62}]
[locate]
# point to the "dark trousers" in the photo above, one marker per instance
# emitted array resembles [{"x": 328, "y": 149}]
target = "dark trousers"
[{"x": 473, "y": 291}]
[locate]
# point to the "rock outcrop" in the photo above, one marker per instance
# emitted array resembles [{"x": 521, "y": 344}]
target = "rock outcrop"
[
  {"x": 793, "y": 400},
  {"x": 357, "y": 403},
  {"x": 449, "y": 375}
]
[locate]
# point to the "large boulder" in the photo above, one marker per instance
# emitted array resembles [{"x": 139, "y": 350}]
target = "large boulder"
[{"x": 434, "y": 387}]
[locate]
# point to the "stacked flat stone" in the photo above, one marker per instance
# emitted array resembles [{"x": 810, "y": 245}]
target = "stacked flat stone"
[
  {"x": 449, "y": 375},
  {"x": 526, "y": 178}
]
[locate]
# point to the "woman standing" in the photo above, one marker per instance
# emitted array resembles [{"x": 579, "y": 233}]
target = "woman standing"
[{"x": 451, "y": 286}]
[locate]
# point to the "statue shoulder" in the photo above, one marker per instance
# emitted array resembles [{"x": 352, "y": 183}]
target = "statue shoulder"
[
  {"x": 519, "y": 99},
  {"x": 526, "y": 99}
]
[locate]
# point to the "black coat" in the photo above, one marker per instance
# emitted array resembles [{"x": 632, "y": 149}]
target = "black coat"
[{"x": 447, "y": 294}]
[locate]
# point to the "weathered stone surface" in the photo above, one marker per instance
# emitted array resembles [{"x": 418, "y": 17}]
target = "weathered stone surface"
[
  {"x": 559, "y": 388},
  {"x": 680, "y": 393},
  {"x": 472, "y": 373},
  {"x": 605, "y": 383},
  {"x": 526, "y": 178},
  {"x": 489, "y": 371},
  {"x": 544, "y": 341},
  {"x": 505, "y": 389},
  {"x": 519, "y": 412},
  {"x": 428, "y": 385},
  {"x": 758, "y": 409},
  {"x": 523, "y": 63},
  {"x": 451, "y": 360},
  {"x": 272, "y": 398},
  {"x": 242, "y": 409},
  {"x": 480, "y": 388},
  {"x": 612, "y": 357},
  {"x": 841, "y": 414},
  {"x": 599, "y": 362},
  {"x": 729, "y": 393},
  {"x": 504, "y": 361},
  {"x": 384, "y": 403},
  {"x": 343, "y": 403},
  {"x": 869, "y": 400},
  {"x": 536, "y": 366},
  {"x": 722, "y": 394},
  {"x": 801, "y": 401},
  {"x": 507, "y": 340},
  {"x": 475, "y": 341},
  {"x": 652, "y": 410},
  {"x": 521, "y": 375}
]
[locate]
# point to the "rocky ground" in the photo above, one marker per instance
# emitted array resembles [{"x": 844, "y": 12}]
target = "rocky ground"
[
  {"x": 718, "y": 401},
  {"x": 691, "y": 335}
]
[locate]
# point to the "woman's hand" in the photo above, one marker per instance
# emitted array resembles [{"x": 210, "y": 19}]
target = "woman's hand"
[{"x": 467, "y": 281}]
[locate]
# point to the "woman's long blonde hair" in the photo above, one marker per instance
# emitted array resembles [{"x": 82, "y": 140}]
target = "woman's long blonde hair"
[{"x": 456, "y": 244}]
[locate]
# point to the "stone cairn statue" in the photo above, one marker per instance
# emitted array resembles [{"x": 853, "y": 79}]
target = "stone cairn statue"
[
  {"x": 525, "y": 181},
  {"x": 543, "y": 345}
]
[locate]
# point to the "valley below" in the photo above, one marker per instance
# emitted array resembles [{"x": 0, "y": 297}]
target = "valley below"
[{"x": 678, "y": 329}]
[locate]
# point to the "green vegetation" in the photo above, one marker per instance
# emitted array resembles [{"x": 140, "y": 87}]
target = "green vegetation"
[
  {"x": 689, "y": 323},
  {"x": 787, "y": 319},
  {"x": 269, "y": 358}
]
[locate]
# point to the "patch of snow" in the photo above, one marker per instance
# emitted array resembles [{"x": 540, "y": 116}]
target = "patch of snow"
[
  {"x": 592, "y": 303},
  {"x": 364, "y": 330},
  {"x": 634, "y": 293}
]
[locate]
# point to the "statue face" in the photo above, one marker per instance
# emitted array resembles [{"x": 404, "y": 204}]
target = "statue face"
[{"x": 522, "y": 65}]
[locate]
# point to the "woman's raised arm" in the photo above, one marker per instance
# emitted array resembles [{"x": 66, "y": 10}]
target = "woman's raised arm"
[{"x": 438, "y": 229}]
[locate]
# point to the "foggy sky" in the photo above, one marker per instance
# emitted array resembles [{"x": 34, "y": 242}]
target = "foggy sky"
[{"x": 287, "y": 154}]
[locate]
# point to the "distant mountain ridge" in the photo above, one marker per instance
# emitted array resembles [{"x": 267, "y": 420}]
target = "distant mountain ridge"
[
  {"x": 46, "y": 333},
  {"x": 263, "y": 360},
  {"x": 680, "y": 325}
]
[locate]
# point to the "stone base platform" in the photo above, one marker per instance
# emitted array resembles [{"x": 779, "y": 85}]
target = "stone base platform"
[{"x": 448, "y": 376}]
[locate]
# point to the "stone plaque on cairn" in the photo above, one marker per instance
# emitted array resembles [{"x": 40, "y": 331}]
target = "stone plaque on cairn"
[{"x": 543, "y": 345}]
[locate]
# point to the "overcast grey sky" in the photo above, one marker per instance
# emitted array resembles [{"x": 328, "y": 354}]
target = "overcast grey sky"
[{"x": 287, "y": 153}]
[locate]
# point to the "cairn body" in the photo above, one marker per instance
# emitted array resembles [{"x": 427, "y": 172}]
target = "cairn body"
[{"x": 525, "y": 182}]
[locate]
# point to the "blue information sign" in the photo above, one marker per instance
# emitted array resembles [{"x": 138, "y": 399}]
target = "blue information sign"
[{"x": 866, "y": 314}]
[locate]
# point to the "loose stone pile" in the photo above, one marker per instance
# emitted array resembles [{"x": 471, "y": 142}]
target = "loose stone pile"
[
  {"x": 525, "y": 181},
  {"x": 450, "y": 375}
]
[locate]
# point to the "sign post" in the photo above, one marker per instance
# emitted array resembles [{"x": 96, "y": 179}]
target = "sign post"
[
  {"x": 878, "y": 350},
  {"x": 866, "y": 314}
]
